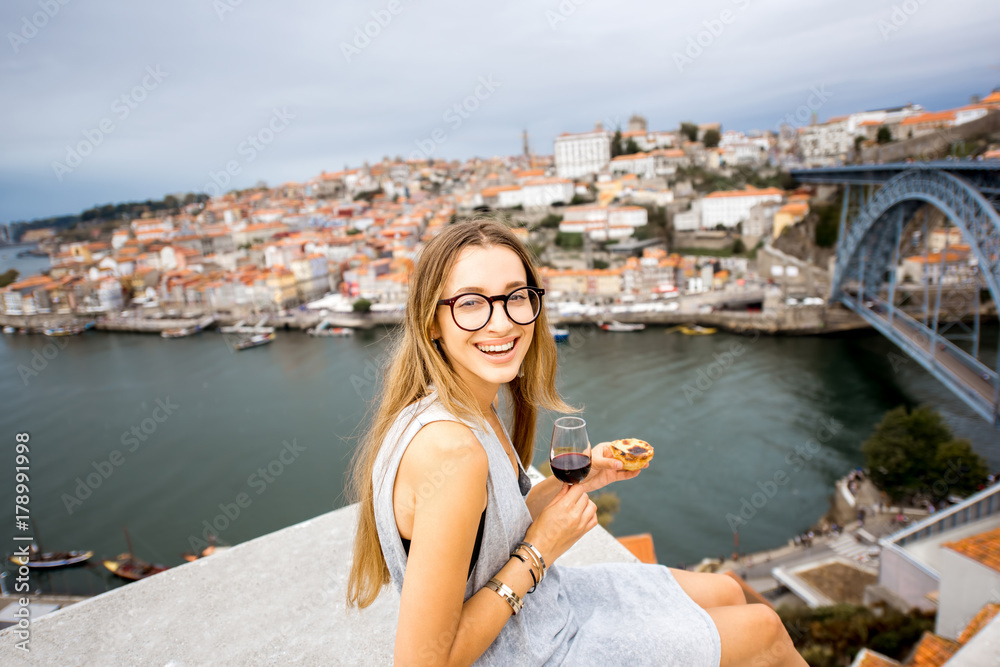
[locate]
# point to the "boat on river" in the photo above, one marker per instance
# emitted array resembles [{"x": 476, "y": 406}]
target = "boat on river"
[
  {"x": 561, "y": 335},
  {"x": 68, "y": 330},
  {"x": 9, "y": 330},
  {"x": 697, "y": 330},
  {"x": 326, "y": 328},
  {"x": 179, "y": 332},
  {"x": 52, "y": 559},
  {"x": 621, "y": 327},
  {"x": 128, "y": 566},
  {"x": 255, "y": 340}
]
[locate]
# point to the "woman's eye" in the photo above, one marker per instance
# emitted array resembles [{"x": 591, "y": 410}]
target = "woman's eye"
[
  {"x": 516, "y": 298},
  {"x": 468, "y": 303}
]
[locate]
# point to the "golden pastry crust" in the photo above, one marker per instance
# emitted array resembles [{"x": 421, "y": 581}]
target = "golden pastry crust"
[{"x": 632, "y": 452}]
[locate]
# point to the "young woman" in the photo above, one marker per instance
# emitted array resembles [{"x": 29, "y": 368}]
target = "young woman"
[{"x": 448, "y": 515}]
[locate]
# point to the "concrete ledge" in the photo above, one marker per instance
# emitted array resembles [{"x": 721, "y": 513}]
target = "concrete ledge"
[{"x": 277, "y": 599}]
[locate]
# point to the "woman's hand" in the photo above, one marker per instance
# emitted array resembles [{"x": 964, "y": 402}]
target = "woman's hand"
[
  {"x": 605, "y": 469},
  {"x": 569, "y": 515}
]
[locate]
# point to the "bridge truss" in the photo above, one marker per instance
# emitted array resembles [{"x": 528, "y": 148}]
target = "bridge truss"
[{"x": 888, "y": 210}]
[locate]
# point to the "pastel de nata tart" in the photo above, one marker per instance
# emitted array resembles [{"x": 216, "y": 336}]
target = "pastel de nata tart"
[{"x": 632, "y": 452}]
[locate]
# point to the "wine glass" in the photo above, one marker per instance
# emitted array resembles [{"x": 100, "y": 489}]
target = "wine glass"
[{"x": 569, "y": 455}]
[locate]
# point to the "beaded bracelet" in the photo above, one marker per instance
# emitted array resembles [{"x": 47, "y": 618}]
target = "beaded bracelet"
[
  {"x": 507, "y": 593},
  {"x": 531, "y": 570}
]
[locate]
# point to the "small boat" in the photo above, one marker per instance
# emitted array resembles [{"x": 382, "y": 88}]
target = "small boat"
[
  {"x": 697, "y": 330},
  {"x": 52, "y": 559},
  {"x": 255, "y": 341},
  {"x": 179, "y": 332},
  {"x": 127, "y": 566},
  {"x": 9, "y": 330},
  {"x": 616, "y": 326},
  {"x": 207, "y": 551},
  {"x": 49, "y": 559},
  {"x": 331, "y": 331},
  {"x": 561, "y": 335},
  {"x": 69, "y": 330}
]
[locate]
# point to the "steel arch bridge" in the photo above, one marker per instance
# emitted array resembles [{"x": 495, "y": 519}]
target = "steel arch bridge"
[{"x": 879, "y": 203}]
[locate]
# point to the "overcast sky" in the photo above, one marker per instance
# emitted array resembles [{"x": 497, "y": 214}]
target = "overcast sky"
[{"x": 225, "y": 68}]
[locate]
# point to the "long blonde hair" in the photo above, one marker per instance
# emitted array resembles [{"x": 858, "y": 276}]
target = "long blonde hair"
[{"x": 415, "y": 364}]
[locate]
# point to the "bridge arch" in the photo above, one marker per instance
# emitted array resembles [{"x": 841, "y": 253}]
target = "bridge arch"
[{"x": 871, "y": 237}]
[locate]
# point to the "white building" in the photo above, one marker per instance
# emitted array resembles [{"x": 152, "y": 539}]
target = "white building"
[
  {"x": 640, "y": 164},
  {"x": 730, "y": 207},
  {"x": 582, "y": 154},
  {"x": 602, "y": 222},
  {"x": 826, "y": 143},
  {"x": 541, "y": 192}
]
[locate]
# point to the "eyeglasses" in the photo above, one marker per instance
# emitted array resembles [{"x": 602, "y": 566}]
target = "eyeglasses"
[{"x": 472, "y": 311}]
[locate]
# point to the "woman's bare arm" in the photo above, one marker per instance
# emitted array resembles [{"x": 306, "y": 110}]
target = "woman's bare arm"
[{"x": 448, "y": 468}]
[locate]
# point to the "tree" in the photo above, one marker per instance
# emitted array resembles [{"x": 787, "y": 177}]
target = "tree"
[
  {"x": 884, "y": 135},
  {"x": 551, "y": 221},
  {"x": 739, "y": 247},
  {"x": 8, "y": 277},
  {"x": 569, "y": 240},
  {"x": 858, "y": 140},
  {"x": 690, "y": 130},
  {"x": 711, "y": 138},
  {"x": 916, "y": 454},
  {"x": 631, "y": 148},
  {"x": 362, "y": 306}
]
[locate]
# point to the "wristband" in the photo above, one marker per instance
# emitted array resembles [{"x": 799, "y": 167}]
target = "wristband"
[{"x": 537, "y": 554}]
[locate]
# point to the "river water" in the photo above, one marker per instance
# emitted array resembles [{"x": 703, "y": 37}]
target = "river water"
[{"x": 198, "y": 429}]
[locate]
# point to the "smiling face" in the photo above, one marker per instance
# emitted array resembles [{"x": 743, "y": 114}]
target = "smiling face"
[{"x": 491, "y": 356}]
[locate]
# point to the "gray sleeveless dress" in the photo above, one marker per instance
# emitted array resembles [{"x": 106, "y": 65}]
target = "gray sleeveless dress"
[{"x": 607, "y": 614}]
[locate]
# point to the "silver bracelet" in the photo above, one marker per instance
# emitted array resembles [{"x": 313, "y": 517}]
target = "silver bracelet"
[
  {"x": 507, "y": 593},
  {"x": 537, "y": 554}
]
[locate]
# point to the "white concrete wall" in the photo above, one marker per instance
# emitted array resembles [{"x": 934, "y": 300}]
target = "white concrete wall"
[
  {"x": 906, "y": 579},
  {"x": 966, "y": 586}
]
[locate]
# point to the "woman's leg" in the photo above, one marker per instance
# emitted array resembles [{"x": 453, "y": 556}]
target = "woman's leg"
[
  {"x": 709, "y": 590},
  {"x": 753, "y": 636}
]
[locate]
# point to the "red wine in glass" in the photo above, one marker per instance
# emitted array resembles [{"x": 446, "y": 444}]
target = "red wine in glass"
[{"x": 569, "y": 456}]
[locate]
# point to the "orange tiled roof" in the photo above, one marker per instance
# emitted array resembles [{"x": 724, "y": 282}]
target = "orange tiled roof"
[
  {"x": 494, "y": 191},
  {"x": 748, "y": 192},
  {"x": 992, "y": 98},
  {"x": 932, "y": 651},
  {"x": 931, "y": 117},
  {"x": 633, "y": 156},
  {"x": 983, "y": 548},
  {"x": 978, "y": 622},
  {"x": 872, "y": 659},
  {"x": 935, "y": 258},
  {"x": 641, "y": 547},
  {"x": 869, "y": 123}
]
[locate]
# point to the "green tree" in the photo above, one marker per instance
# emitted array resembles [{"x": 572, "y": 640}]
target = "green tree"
[
  {"x": 8, "y": 277},
  {"x": 884, "y": 135},
  {"x": 600, "y": 264},
  {"x": 631, "y": 148},
  {"x": 690, "y": 130},
  {"x": 916, "y": 453},
  {"x": 362, "y": 306},
  {"x": 551, "y": 221},
  {"x": 711, "y": 138},
  {"x": 569, "y": 240},
  {"x": 828, "y": 225},
  {"x": 739, "y": 247}
]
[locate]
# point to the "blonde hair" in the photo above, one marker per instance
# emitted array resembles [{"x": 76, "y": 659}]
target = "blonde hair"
[{"x": 415, "y": 364}]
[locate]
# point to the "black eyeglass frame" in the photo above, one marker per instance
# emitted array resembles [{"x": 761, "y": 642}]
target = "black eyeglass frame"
[{"x": 489, "y": 300}]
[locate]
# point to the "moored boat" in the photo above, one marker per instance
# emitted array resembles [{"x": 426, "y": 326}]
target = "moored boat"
[
  {"x": 129, "y": 567},
  {"x": 53, "y": 559},
  {"x": 616, "y": 326},
  {"x": 179, "y": 332},
  {"x": 561, "y": 335},
  {"x": 697, "y": 330},
  {"x": 69, "y": 330},
  {"x": 254, "y": 341},
  {"x": 9, "y": 330}
]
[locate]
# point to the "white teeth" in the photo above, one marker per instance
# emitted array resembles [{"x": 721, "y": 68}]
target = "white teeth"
[{"x": 496, "y": 348}]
